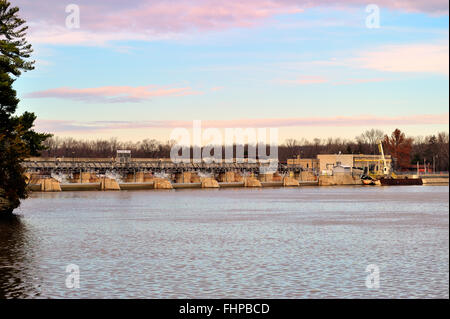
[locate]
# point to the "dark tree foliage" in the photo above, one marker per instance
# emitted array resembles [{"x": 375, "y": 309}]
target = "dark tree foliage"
[
  {"x": 399, "y": 146},
  {"x": 18, "y": 140}
]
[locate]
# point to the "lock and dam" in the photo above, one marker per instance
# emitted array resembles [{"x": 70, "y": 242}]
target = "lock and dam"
[
  {"x": 108, "y": 174},
  {"x": 77, "y": 174}
]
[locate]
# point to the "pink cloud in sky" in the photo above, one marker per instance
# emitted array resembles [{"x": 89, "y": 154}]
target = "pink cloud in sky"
[
  {"x": 112, "y": 94},
  {"x": 306, "y": 80},
  {"x": 428, "y": 58},
  {"x": 320, "y": 80},
  {"x": 150, "y": 19},
  {"x": 65, "y": 126}
]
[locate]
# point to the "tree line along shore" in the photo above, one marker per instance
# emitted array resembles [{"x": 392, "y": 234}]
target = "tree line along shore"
[{"x": 406, "y": 151}]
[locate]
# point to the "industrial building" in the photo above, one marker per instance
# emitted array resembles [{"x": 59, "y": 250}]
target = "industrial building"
[{"x": 341, "y": 163}]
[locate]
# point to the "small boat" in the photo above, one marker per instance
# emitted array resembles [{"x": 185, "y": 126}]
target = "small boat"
[{"x": 371, "y": 182}]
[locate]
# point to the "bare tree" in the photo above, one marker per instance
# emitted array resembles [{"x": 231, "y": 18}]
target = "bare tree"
[
  {"x": 371, "y": 138},
  {"x": 432, "y": 148}
]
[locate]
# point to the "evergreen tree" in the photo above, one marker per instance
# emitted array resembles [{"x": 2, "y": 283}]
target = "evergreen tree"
[{"x": 18, "y": 140}]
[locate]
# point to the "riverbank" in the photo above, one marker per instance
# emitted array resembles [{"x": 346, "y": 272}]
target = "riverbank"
[{"x": 5, "y": 205}]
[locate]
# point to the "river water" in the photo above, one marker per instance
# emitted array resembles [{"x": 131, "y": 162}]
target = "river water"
[{"x": 308, "y": 242}]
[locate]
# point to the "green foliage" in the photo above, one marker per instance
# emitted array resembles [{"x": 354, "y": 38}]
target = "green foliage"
[
  {"x": 14, "y": 48},
  {"x": 18, "y": 140}
]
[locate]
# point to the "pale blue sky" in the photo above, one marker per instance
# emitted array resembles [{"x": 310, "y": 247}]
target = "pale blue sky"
[{"x": 322, "y": 62}]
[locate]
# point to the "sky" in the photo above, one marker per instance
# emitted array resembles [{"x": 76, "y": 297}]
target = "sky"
[{"x": 138, "y": 69}]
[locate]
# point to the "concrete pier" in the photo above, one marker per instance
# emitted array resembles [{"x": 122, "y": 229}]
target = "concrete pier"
[
  {"x": 109, "y": 184},
  {"x": 252, "y": 182},
  {"x": 435, "y": 179},
  {"x": 45, "y": 184},
  {"x": 290, "y": 181},
  {"x": 209, "y": 183}
]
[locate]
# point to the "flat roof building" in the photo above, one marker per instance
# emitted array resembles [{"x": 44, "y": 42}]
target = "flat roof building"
[
  {"x": 329, "y": 162},
  {"x": 363, "y": 161}
]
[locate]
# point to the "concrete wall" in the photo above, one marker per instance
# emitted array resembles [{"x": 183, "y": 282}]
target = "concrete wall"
[
  {"x": 184, "y": 177},
  {"x": 277, "y": 177},
  {"x": 435, "y": 180},
  {"x": 230, "y": 177},
  {"x": 85, "y": 177},
  {"x": 209, "y": 183},
  {"x": 227, "y": 177},
  {"x": 290, "y": 181},
  {"x": 341, "y": 179},
  {"x": 251, "y": 182},
  {"x": 46, "y": 184},
  {"x": 161, "y": 183},
  {"x": 306, "y": 176},
  {"x": 327, "y": 161},
  {"x": 195, "y": 178},
  {"x": 107, "y": 184},
  {"x": 139, "y": 177}
]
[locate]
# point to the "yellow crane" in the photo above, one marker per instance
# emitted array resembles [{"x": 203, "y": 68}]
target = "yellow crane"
[{"x": 386, "y": 169}]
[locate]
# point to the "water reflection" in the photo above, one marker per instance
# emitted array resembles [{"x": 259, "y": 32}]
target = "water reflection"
[
  {"x": 229, "y": 243},
  {"x": 18, "y": 277}
]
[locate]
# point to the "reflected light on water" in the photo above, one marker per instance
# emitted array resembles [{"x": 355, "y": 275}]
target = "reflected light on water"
[{"x": 310, "y": 242}]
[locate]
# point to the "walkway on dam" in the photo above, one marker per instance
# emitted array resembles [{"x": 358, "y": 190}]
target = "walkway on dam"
[{"x": 103, "y": 166}]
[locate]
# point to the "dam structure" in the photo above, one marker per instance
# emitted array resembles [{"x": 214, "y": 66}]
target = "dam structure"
[
  {"x": 124, "y": 173},
  {"x": 70, "y": 174},
  {"x": 101, "y": 166}
]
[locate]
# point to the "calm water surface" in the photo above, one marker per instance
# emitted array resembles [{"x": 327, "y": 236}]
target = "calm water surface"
[{"x": 305, "y": 242}]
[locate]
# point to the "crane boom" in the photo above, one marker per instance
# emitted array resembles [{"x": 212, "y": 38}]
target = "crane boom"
[{"x": 385, "y": 167}]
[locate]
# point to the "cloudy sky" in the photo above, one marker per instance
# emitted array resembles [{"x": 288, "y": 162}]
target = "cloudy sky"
[{"x": 139, "y": 68}]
